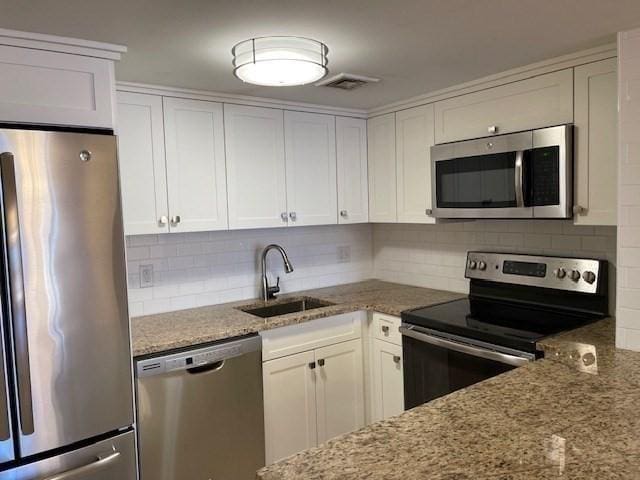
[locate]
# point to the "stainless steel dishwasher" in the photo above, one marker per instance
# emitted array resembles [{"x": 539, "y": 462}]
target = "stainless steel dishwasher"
[{"x": 200, "y": 413}]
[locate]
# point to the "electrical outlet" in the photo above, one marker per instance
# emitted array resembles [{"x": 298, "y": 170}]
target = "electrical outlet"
[
  {"x": 146, "y": 276},
  {"x": 344, "y": 254}
]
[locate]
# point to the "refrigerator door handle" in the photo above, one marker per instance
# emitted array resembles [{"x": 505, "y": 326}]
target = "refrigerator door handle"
[
  {"x": 100, "y": 462},
  {"x": 17, "y": 310}
]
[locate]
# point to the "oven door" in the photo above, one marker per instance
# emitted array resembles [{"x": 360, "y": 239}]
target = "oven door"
[
  {"x": 435, "y": 366},
  {"x": 481, "y": 178}
]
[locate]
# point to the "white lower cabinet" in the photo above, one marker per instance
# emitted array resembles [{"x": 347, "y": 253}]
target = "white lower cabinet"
[
  {"x": 339, "y": 389},
  {"x": 313, "y": 395},
  {"x": 388, "y": 385},
  {"x": 289, "y": 386}
]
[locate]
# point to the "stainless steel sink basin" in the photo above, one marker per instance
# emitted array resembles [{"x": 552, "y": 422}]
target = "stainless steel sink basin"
[{"x": 284, "y": 307}]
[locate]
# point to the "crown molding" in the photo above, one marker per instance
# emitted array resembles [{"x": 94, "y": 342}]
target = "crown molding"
[
  {"x": 514, "y": 75},
  {"x": 53, "y": 43},
  {"x": 238, "y": 99}
]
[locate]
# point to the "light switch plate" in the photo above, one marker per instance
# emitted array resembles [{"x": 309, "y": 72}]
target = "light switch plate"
[
  {"x": 344, "y": 254},
  {"x": 146, "y": 276}
]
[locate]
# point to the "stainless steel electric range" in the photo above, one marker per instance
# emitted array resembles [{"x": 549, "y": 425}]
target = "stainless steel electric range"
[{"x": 514, "y": 301}]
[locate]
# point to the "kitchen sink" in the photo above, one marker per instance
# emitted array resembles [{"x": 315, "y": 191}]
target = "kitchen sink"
[{"x": 284, "y": 307}]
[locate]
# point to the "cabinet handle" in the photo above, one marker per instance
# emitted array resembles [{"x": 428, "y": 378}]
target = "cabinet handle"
[
  {"x": 321, "y": 362},
  {"x": 175, "y": 219},
  {"x": 292, "y": 216},
  {"x": 385, "y": 329},
  {"x": 396, "y": 358},
  {"x": 579, "y": 210},
  {"x": 493, "y": 129},
  {"x": 284, "y": 216},
  {"x": 312, "y": 365},
  {"x": 163, "y": 220},
  {"x": 343, "y": 213}
]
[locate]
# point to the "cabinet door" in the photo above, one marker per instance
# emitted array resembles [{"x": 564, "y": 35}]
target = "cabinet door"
[
  {"x": 595, "y": 152},
  {"x": 381, "y": 139},
  {"x": 339, "y": 389},
  {"x": 414, "y": 138},
  {"x": 142, "y": 163},
  {"x": 310, "y": 151},
  {"x": 196, "y": 177},
  {"x": 541, "y": 101},
  {"x": 388, "y": 384},
  {"x": 254, "y": 139},
  {"x": 289, "y": 405},
  {"x": 351, "y": 151}
]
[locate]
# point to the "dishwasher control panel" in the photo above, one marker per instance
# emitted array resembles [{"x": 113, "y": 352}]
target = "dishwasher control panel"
[{"x": 197, "y": 357}]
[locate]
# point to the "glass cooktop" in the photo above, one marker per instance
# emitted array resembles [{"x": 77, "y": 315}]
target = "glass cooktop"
[{"x": 512, "y": 325}]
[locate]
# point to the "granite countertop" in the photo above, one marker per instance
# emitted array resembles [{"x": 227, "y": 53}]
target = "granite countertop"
[
  {"x": 183, "y": 328},
  {"x": 571, "y": 415}
]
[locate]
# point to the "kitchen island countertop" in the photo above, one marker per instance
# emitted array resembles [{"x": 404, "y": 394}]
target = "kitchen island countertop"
[{"x": 571, "y": 415}]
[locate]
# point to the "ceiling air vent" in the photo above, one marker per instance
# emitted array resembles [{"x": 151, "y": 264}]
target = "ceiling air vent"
[{"x": 347, "y": 81}]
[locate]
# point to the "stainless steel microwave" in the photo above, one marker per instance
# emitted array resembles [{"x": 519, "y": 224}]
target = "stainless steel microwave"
[{"x": 520, "y": 175}]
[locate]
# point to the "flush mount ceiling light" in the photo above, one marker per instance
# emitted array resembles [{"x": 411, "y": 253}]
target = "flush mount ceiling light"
[{"x": 280, "y": 61}]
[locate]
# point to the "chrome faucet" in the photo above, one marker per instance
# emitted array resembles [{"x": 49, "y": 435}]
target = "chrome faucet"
[{"x": 267, "y": 291}]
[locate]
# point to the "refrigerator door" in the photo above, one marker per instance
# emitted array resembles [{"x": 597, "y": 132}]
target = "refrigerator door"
[
  {"x": 112, "y": 459},
  {"x": 64, "y": 248}
]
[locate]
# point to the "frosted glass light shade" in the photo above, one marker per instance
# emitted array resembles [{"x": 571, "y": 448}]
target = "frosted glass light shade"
[{"x": 280, "y": 61}]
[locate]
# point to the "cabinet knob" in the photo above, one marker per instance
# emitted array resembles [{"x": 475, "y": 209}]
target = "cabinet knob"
[
  {"x": 163, "y": 220},
  {"x": 579, "y": 210},
  {"x": 284, "y": 216},
  {"x": 493, "y": 129},
  {"x": 312, "y": 365},
  {"x": 385, "y": 329},
  {"x": 175, "y": 219},
  {"x": 343, "y": 213},
  {"x": 292, "y": 216},
  {"x": 396, "y": 358},
  {"x": 428, "y": 212},
  {"x": 321, "y": 362}
]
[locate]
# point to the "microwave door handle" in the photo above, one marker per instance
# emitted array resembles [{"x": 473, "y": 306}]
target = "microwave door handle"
[
  {"x": 13, "y": 272},
  {"x": 519, "y": 179}
]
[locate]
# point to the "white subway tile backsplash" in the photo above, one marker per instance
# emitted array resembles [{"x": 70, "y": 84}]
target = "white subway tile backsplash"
[
  {"x": 436, "y": 257},
  {"x": 204, "y": 268},
  {"x": 628, "y": 311}
]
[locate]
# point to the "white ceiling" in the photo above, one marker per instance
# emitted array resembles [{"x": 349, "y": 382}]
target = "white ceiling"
[{"x": 414, "y": 46}]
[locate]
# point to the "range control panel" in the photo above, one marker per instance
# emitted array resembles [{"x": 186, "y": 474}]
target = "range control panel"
[{"x": 572, "y": 274}]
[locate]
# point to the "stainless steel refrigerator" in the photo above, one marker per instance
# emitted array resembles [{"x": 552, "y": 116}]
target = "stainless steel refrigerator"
[{"x": 66, "y": 399}]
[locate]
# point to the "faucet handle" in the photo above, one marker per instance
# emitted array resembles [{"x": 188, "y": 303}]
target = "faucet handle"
[{"x": 273, "y": 291}]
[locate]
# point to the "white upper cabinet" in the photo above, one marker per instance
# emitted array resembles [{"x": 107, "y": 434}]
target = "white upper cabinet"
[
  {"x": 595, "y": 143},
  {"x": 414, "y": 138},
  {"x": 195, "y": 157},
  {"x": 310, "y": 152},
  {"x": 47, "y": 87},
  {"x": 256, "y": 182},
  {"x": 351, "y": 152},
  {"x": 541, "y": 101},
  {"x": 381, "y": 139},
  {"x": 142, "y": 164}
]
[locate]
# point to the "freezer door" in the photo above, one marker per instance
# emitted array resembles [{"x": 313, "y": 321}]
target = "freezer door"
[
  {"x": 64, "y": 256},
  {"x": 112, "y": 459}
]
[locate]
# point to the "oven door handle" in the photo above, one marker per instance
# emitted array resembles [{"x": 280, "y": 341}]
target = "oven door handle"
[
  {"x": 519, "y": 179},
  {"x": 464, "y": 348}
]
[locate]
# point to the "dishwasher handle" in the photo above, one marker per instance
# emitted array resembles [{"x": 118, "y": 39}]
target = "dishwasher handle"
[{"x": 211, "y": 367}]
